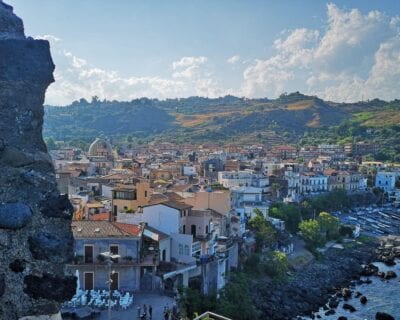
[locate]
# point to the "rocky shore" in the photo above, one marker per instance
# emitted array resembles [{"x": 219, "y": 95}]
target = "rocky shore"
[{"x": 314, "y": 286}]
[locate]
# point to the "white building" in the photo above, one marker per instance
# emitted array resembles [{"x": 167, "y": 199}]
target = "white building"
[
  {"x": 230, "y": 179},
  {"x": 313, "y": 183}
]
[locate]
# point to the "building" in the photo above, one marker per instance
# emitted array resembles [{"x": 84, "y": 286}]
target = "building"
[
  {"x": 130, "y": 197},
  {"x": 312, "y": 183},
  {"x": 386, "y": 180},
  {"x": 91, "y": 238},
  {"x": 361, "y": 149},
  {"x": 230, "y": 179}
]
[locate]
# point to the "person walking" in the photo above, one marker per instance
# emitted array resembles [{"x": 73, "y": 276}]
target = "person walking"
[
  {"x": 144, "y": 311},
  {"x": 150, "y": 312},
  {"x": 166, "y": 313}
]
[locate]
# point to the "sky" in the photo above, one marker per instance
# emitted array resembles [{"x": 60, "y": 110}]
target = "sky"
[{"x": 346, "y": 50}]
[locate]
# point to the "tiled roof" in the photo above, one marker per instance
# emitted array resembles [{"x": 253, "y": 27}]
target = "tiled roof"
[
  {"x": 133, "y": 229},
  {"x": 97, "y": 229},
  {"x": 105, "y": 216},
  {"x": 171, "y": 204},
  {"x": 177, "y": 205}
]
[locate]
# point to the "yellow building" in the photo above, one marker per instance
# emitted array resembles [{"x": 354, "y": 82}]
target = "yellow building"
[{"x": 130, "y": 197}]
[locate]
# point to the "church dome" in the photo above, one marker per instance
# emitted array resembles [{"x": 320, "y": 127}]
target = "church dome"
[{"x": 100, "y": 147}]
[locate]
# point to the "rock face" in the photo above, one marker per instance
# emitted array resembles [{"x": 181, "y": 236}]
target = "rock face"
[
  {"x": 313, "y": 286},
  {"x": 35, "y": 241}
]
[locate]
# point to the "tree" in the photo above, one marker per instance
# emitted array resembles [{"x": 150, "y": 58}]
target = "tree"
[
  {"x": 235, "y": 299},
  {"x": 277, "y": 264},
  {"x": 265, "y": 233},
  {"x": 311, "y": 232},
  {"x": 329, "y": 225},
  {"x": 289, "y": 213}
]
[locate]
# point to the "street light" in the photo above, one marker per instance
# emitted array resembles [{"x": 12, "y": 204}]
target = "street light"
[{"x": 110, "y": 257}]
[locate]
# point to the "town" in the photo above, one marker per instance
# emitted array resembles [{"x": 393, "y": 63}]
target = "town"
[{"x": 165, "y": 216}]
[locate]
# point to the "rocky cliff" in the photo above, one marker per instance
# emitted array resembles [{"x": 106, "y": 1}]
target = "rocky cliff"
[{"x": 35, "y": 236}]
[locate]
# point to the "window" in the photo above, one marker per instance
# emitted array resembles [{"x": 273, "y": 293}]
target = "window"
[
  {"x": 89, "y": 280},
  {"x": 145, "y": 194},
  {"x": 187, "y": 250},
  {"x": 181, "y": 249},
  {"x": 114, "y": 249},
  {"x": 125, "y": 195},
  {"x": 88, "y": 254}
]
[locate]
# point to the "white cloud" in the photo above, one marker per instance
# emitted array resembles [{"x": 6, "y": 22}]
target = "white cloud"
[
  {"x": 187, "y": 67},
  {"x": 188, "y": 62},
  {"x": 76, "y": 78},
  {"x": 234, "y": 59},
  {"x": 356, "y": 57}
]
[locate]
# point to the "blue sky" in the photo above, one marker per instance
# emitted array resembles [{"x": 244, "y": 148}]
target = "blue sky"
[{"x": 123, "y": 49}]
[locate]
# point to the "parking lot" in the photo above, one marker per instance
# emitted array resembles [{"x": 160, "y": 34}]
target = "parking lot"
[{"x": 373, "y": 221}]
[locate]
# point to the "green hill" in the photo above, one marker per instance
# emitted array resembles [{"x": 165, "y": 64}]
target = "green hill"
[{"x": 292, "y": 118}]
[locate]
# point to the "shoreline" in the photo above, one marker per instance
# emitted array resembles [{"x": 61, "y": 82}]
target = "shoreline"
[{"x": 313, "y": 286}]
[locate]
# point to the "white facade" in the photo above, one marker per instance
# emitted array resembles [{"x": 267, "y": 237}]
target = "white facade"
[
  {"x": 313, "y": 183},
  {"x": 163, "y": 218},
  {"x": 181, "y": 249},
  {"x": 231, "y": 179}
]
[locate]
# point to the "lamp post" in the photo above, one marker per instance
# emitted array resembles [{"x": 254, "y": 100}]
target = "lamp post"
[{"x": 109, "y": 256}]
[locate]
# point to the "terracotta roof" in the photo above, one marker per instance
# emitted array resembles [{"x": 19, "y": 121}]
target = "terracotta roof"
[
  {"x": 133, "y": 229},
  {"x": 105, "y": 216}
]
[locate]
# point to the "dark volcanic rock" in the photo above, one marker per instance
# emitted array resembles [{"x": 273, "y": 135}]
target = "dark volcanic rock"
[
  {"x": 330, "y": 312},
  {"x": 27, "y": 179},
  {"x": 2, "y": 284},
  {"x": 349, "y": 307},
  {"x": 390, "y": 275},
  {"x": 14, "y": 215},
  {"x": 50, "y": 287},
  {"x": 363, "y": 299},
  {"x": 383, "y": 316},
  {"x": 46, "y": 246},
  {"x": 369, "y": 270},
  {"x": 313, "y": 286},
  {"x": 17, "y": 265},
  {"x": 57, "y": 207}
]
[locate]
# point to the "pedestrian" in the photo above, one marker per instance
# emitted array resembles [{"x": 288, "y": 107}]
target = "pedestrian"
[
  {"x": 150, "y": 312},
  {"x": 144, "y": 311},
  {"x": 138, "y": 312}
]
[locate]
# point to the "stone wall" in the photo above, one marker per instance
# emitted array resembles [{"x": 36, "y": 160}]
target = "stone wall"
[{"x": 35, "y": 236}]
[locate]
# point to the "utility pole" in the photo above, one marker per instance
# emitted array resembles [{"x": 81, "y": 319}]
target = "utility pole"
[{"x": 109, "y": 256}]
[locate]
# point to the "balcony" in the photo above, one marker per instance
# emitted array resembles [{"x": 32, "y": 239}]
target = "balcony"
[
  {"x": 100, "y": 260},
  {"x": 150, "y": 260}
]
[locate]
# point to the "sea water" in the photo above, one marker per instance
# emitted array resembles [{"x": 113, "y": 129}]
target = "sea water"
[{"x": 382, "y": 295}]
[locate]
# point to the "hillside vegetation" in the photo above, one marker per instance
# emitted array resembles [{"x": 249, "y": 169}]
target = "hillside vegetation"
[{"x": 292, "y": 118}]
